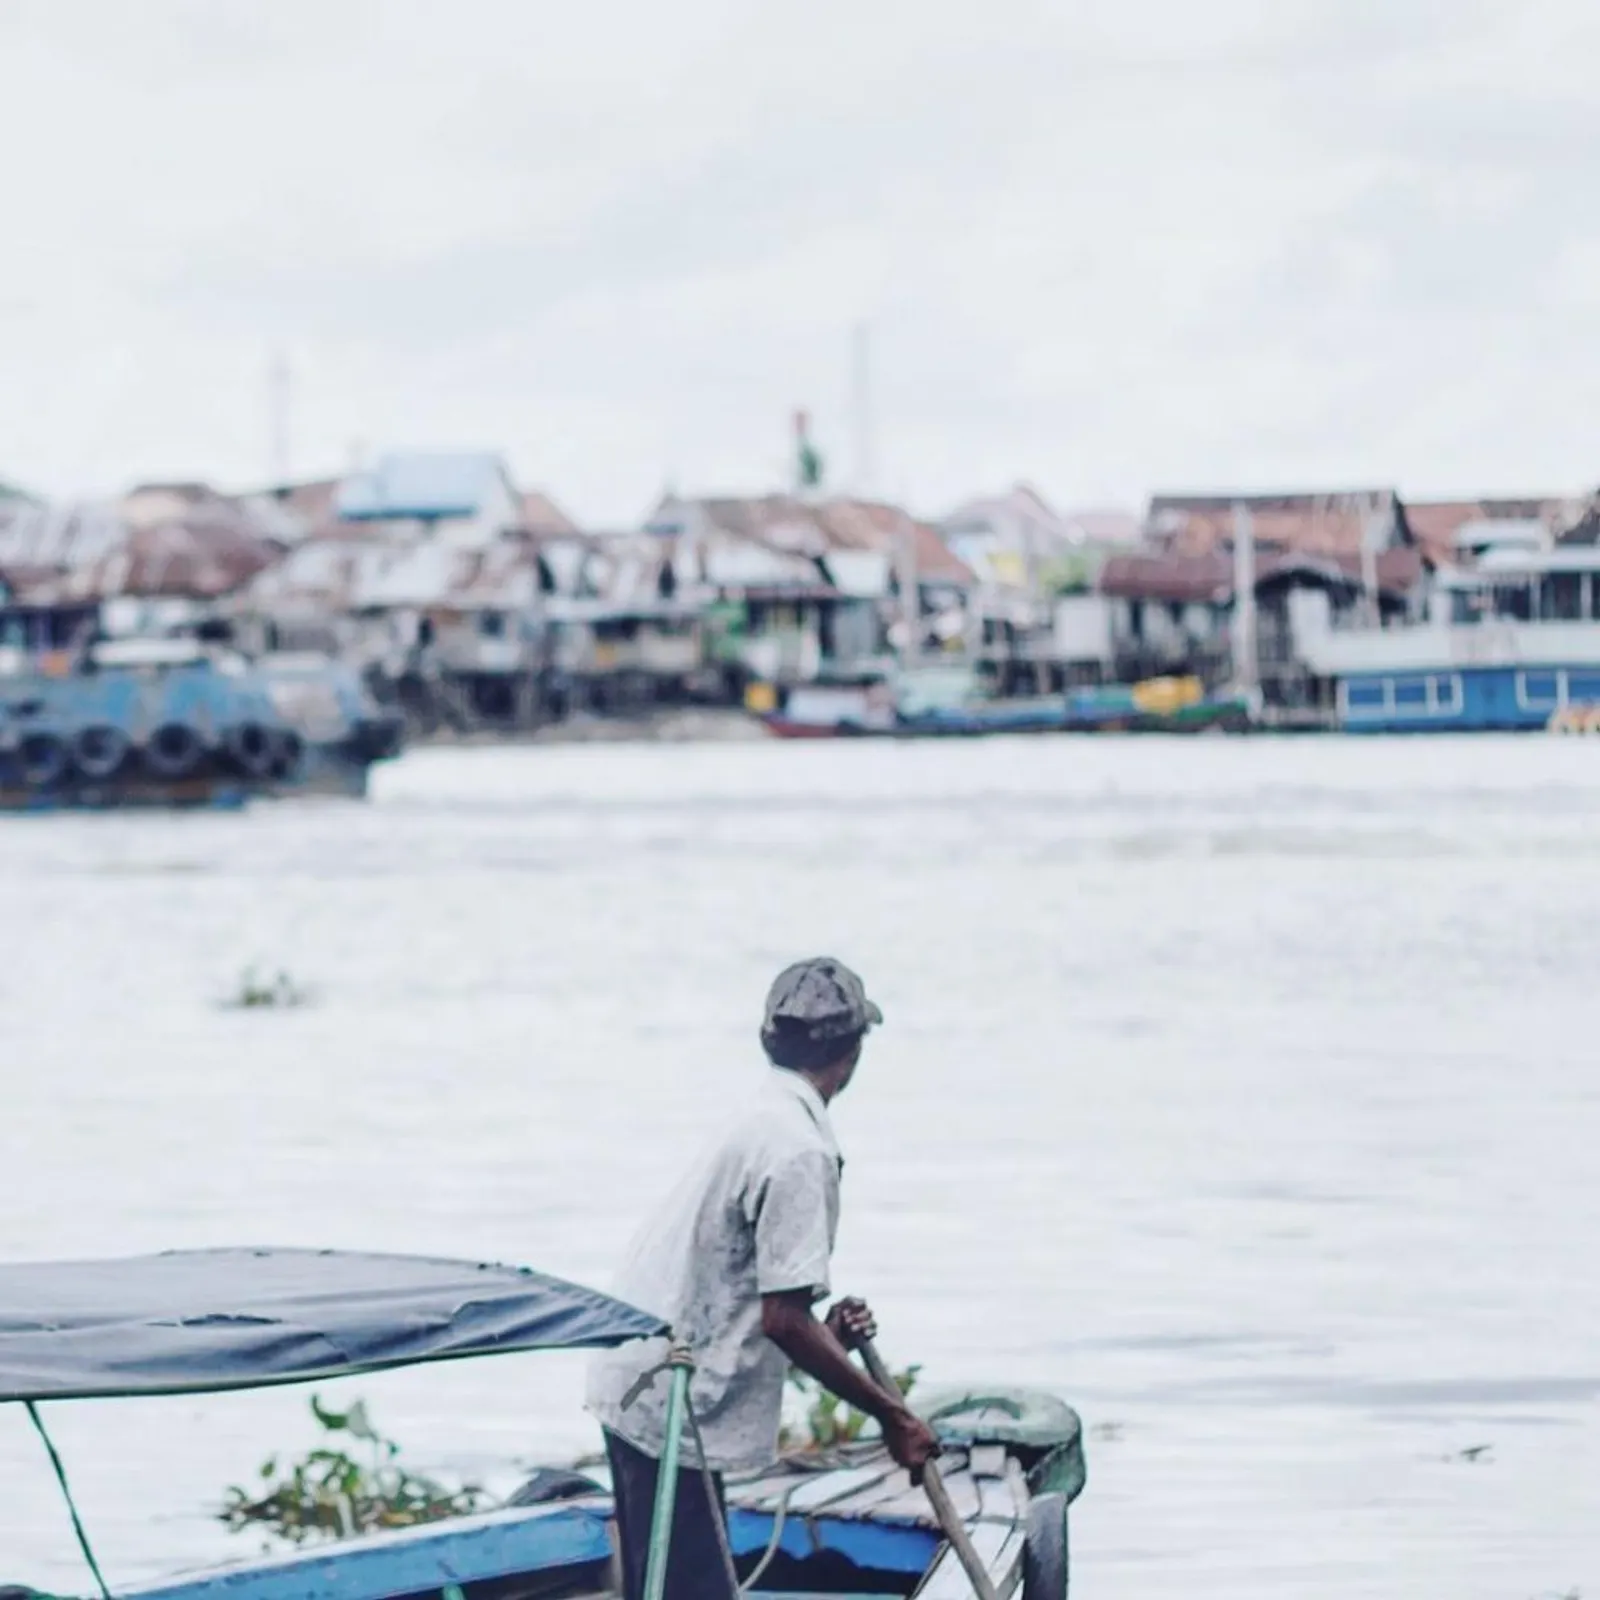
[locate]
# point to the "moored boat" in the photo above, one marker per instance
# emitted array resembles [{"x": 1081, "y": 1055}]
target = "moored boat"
[
  {"x": 848, "y": 1522},
  {"x": 948, "y": 702},
  {"x": 1158, "y": 705},
  {"x": 93, "y": 723},
  {"x": 929, "y": 702}
]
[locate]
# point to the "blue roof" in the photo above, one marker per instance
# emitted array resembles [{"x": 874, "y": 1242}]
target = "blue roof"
[
  {"x": 421, "y": 484},
  {"x": 196, "y": 1321}
]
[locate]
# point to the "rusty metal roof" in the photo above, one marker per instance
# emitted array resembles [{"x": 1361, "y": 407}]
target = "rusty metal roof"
[
  {"x": 1321, "y": 524},
  {"x": 179, "y": 541},
  {"x": 1180, "y": 579},
  {"x": 793, "y": 526},
  {"x": 1207, "y": 579},
  {"x": 366, "y": 571}
]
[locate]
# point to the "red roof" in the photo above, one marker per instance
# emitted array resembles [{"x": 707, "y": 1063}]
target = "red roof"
[
  {"x": 1207, "y": 579},
  {"x": 1320, "y": 524}
]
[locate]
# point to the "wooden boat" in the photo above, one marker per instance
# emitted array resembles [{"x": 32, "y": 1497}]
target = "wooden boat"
[
  {"x": 942, "y": 702},
  {"x": 847, "y": 1522},
  {"x": 1156, "y": 705},
  {"x": 854, "y": 1527},
  {"x": 947, "y": 702}
]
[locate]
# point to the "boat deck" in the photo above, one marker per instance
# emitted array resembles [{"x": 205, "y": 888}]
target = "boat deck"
[{"x": 832, "y": 1523}]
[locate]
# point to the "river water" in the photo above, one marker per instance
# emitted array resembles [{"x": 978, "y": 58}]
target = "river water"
[{"x": 1244, "y": 1092}]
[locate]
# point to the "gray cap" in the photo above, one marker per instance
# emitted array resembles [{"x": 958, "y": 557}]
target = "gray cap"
[{"x": 825, "y": 996}]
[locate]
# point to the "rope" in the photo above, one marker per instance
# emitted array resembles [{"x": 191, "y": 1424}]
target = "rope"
[
  {"x": 66, "y": 1494},
  {"x": 778, "y": 1520},
  {"x": 714, "y": 1505},
  {"x": 679, "y": 1356}
]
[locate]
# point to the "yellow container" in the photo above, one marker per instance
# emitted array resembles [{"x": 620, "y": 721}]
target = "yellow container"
[
  {"x": 1162, "y": 696},
  {"x": 760, "y": 698}
]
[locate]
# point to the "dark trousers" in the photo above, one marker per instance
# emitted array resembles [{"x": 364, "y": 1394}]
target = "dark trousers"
[{"x": 694, "y": 1566}]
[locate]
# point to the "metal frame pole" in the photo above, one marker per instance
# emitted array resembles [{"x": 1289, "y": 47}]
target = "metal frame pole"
[{"x": 655, "y": 1581}]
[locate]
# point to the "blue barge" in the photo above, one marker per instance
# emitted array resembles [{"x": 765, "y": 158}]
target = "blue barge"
[{"x": 89, "y": 722}]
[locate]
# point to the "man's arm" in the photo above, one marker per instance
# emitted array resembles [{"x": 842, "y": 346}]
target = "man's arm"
[{"x": 787, "y": 1320}]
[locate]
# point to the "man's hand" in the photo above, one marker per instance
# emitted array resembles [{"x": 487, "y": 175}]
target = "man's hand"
[
  {"x": 851, "y": 1322},
  {"x": 911, "y": 1442},
  {"x": 817, "y": 1348}
]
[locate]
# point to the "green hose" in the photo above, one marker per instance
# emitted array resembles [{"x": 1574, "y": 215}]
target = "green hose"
[{"x": 655, "y": 1582}]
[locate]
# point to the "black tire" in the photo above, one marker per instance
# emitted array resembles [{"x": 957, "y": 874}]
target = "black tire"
[
  {"x": 288, "y": 749},
  {"x": 550, "y": 1484},
  {"x": 43, "y": 759},
  {"x": 1044, "y": 1559},
  {"x": 250, "y": 746},
  {"x": 174, "y": 750},
  {"x": 377, "y": 738},
  {"x": 99, "y": 751}
]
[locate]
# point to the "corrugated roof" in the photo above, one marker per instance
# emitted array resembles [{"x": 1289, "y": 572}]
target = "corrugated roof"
[
  {"x": 875, "y": 525},
  {"x": 1208, "y": 578},
  {"x": 1204, "y": 579},
  {"x": 367, "y": 572},
  {"x": 1321, "y": 524},
  {"x": 295, "y": 511},
  {"x": 190, "y": 543},
  {"x": 792, "y": 526}
]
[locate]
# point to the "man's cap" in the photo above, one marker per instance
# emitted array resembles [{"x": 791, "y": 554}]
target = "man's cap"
[{"x": 824, "y": 997}]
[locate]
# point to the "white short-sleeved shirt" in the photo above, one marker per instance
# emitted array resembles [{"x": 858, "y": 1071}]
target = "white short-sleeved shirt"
[{"x": 757, "y": 1215}]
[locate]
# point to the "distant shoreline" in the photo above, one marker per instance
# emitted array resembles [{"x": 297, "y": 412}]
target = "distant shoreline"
[{"x": 676, "y": 725}]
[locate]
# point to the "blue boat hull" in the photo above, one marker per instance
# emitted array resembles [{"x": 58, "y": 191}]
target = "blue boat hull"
[
  {"x": 187, "y": 736},
  {"x": 569, "y": 1538}
]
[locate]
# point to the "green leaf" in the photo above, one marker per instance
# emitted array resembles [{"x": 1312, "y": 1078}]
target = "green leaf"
[{"x": 333, "y": 1421}]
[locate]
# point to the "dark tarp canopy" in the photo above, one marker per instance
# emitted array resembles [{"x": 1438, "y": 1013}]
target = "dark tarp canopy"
[{"x": 199, "y": 1320}]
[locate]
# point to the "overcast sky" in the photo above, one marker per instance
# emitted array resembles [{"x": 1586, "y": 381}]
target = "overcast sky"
[{"x": 1107, "y": 247}]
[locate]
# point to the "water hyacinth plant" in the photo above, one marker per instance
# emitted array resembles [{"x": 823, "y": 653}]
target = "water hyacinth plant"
[
  {"x": 351, "y": 1485},
  {"x": 827, "y": 1422},
  {"x": 257, "y": 991}
]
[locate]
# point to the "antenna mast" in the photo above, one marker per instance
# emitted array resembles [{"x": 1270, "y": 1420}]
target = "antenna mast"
[
  {"x": 279, "y": 379},
  {"x": 861, "y": 383}
]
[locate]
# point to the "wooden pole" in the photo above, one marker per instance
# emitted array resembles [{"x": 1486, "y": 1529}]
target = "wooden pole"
[
  {"x": 1245, "y": 671},
  {"x": 938, "y": 1496}
]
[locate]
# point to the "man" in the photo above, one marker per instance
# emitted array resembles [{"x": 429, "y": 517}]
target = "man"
[{"x": 735, "y": 1261}]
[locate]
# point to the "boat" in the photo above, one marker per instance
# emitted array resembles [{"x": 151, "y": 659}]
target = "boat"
[
  {"x": 1510, "y": 644},
  {"x": 926, "y": 702},
  {"x": 1158, "y": 705},
  {"x": 88, "y": 722},
  {"x": 949, "y": 702},
  {"x": 843, "y": 1522}
]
